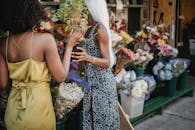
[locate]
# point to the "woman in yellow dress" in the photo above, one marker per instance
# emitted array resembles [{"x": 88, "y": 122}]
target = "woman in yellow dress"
[{"x": 29, "y": 59}]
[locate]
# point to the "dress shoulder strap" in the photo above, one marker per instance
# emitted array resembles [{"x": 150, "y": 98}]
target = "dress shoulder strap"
[
  {"x": 31, "y": 46},
  {"x": 93, "y": 30},
  {"x": 6, "y": 48}
]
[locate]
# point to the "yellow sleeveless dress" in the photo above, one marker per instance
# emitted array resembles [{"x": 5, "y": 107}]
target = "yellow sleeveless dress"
[{"x": 30, "y": 103}]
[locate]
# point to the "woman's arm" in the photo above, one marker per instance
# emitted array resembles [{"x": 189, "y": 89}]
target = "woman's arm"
[
  {"x": 3, "y": 73},
  {"x": 102, "y": 40},
  {"x": 58, "y": 68}
]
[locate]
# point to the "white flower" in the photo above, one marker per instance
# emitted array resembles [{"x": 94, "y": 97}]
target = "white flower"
[
  {"x": 143, "y": 58},
  {"x": 148, "y": 28},
  {"x": 136, "y": 92},
  {"x": 139, "y": 33},
  {"x": 69, "y": 95},
  {"x": 144, "y": 86},
  {"x": 47, "y": 26},
  {"x": 154, "y": 30},
  {"x": 139, "y": 88}
]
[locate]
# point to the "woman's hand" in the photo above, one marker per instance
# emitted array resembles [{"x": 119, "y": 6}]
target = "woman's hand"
[
  {"x": 81, "y": 56},
  {"x": 74, "y": 37}
]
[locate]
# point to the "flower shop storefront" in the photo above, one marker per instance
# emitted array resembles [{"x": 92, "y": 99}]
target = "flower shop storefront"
[{"x": 149, "y": 71}]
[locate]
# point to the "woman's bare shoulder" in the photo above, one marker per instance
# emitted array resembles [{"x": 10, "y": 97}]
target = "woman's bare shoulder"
[
  {"x": 101, "y": 28},
  {"x": 44, "y": 38},
  {"x": 101, "y": 32}
]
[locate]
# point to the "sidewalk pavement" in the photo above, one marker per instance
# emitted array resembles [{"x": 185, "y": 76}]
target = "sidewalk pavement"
[{"x": 179, "y": 115}]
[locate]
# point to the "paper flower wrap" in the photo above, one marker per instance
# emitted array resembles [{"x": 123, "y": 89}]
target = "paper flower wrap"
[{"x": 124, "y": 56}]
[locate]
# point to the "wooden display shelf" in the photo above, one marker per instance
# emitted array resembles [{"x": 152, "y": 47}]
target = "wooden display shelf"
[
  {"x": 50, "y": 3},
  {"x": 155, "y": 105},
  {"x": 127, "y": 6}
]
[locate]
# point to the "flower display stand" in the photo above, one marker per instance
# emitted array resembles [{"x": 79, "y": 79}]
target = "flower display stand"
[{"x": 156, "y": 104}]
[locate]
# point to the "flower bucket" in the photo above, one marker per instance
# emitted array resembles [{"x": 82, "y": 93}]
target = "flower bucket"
[
  {"x": 171, "y": 87},
  {"x": 139, "y": 71},
  {"x": 60, "y": 125},
  {"x": 181, "y": 84},
  {"x": 131, "y": 105}
]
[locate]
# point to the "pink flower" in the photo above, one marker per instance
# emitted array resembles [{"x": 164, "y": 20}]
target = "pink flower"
[
  {"x": 140, "y": 52},
  {"x": 143, "y": 58},
  {"x": 162, "y": 47},
  {"x": 167, "y": 52},
  {"x": 156, "y": 36},
  {"x": 151, "y": 40}
]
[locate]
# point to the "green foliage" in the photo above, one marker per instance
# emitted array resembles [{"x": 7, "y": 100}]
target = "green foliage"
[
  {"x": 73, "y": 13},
  {"x": 3, "y": 34}
]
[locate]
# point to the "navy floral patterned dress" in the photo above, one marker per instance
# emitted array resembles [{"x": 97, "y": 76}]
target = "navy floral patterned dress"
[{"x": 100, "y": 104}]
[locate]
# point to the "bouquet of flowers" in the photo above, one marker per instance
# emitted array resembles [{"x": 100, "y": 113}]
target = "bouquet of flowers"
[
  {"x": 68, "y": 94},
  {"x": 142, "y": 58},
  {"x": 173, "y": 68},
  {"x": 73, "y": 14},
  {"x": 149, "y": 37},
  {"x": 166, "y": 51},
  {"x": 152, "y": 35},
  {"x": 138, "y": 87},
  {"x": 124, "y": 56},
  {"x": 179, "y": 65},
  {"x": 151, "y": 84}
]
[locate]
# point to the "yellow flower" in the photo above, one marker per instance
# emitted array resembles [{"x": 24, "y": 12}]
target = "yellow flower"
[
  {"x": 144, "y": 35},
  {"x": 126, "y": 37},
  {"x": 161, "y": 41}
]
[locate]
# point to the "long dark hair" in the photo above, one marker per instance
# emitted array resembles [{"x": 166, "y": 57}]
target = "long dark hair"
[{"x": 18, "y": 16}]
